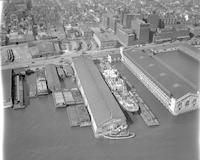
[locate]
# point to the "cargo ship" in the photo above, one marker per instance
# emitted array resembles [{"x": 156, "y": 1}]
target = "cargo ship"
[{"x": 118, "y": 87}]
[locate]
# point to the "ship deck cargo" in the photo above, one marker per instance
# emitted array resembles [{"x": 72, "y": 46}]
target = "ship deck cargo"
[
  {"x": 77, "y": 96},
  {"x": 78, "y": 116},
  {"x": 104, "y": 111},
  {"x": 83, "y": 114},
  {"x": 68, "y": 97},
  {"x": 58, "y": 99},
  {"x": 72, "y": 116},
  {"x": 7, "y": 88},
  {"x": 41, "y": 88},
  {"x": 52, "y": 78}
]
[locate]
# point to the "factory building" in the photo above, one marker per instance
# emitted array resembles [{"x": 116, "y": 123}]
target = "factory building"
[
  {"x": 104, "y": 110},
  {"x": 177, "y": 91},
  {"x": 7, "y": 88}
]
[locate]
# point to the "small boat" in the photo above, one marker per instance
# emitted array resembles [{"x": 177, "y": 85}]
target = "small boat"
[{"x": 120, "y": 135}]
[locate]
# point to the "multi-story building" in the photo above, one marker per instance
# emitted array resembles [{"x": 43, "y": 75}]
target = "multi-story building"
[
  {"x": 105, "y": 39},
  {"x": 128, "y": 18},
  {"x": 106, "y": 21},
  {"x": 86, "y": 32},
  {"x": 126, "y": 36},
  {"x": 142, "y": 30},
  {"x": 171, "y": 34},
  {"x": 170, "y": 21},
  {"x": 154, "y": 21},
  {"x": 176, "y": 87}
]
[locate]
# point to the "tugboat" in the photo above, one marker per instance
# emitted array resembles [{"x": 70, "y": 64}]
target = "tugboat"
[{"x": 120, "y": 135}]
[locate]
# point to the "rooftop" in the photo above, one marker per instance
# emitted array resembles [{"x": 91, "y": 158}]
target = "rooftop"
[
  {"x": 101, "y": 101},
  {"x": 161, "y": 74}
]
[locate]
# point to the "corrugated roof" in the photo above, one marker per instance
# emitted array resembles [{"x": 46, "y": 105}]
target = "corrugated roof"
[{"x": 101, "y": 101}]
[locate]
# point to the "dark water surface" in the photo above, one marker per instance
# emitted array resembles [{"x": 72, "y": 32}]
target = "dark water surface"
[{"x": 41, "y": 132}]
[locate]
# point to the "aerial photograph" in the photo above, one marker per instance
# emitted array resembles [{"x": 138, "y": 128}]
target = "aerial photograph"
[{"x": 100, "y": 79}]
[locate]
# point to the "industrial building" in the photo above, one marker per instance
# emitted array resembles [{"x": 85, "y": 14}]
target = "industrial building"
[
  {"x": 104, "y": 110},
  {"x": 7, "y": 88},
  {"x": 176, "y": 87}
]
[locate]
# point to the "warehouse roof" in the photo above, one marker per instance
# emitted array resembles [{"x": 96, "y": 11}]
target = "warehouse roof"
[
  {"x": 101, "y": 101},
  {"x": 159, "y": 73}
]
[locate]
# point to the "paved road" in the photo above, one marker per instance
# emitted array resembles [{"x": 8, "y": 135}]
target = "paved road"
[{"x": 56, "y": 59}]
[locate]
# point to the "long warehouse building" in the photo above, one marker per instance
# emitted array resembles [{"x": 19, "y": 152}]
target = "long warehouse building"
[
  {"x": 104, "y": 110},
  {"x": 172, "y": 77}
]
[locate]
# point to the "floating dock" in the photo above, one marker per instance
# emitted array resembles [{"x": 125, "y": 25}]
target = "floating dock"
[{"x": 149, "y": 118}]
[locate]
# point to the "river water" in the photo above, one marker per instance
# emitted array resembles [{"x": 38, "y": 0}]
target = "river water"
[{"x": 41, "y": 132}]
